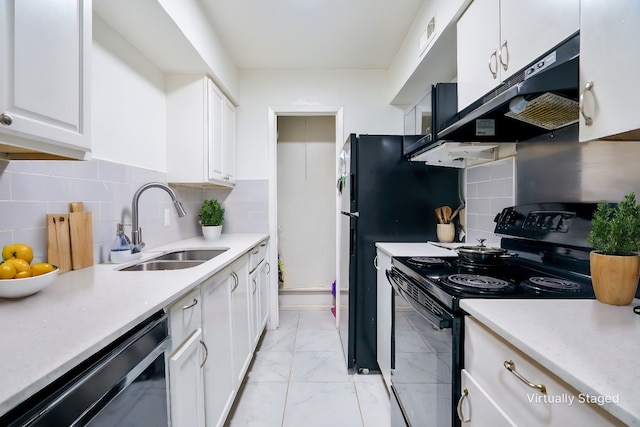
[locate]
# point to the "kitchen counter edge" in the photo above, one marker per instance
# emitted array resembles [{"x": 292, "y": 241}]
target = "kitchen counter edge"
[
  {"x": 47, "y": 334},
  {"x": 590, "y": 345}
]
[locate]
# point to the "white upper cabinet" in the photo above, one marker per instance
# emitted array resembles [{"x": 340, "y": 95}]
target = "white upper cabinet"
[
  {"x": 200, "y": 132},
  {"x": 45, "y": 78},
  {"x": 609, "y": 60},
  {"x": 498, "y": 38}
]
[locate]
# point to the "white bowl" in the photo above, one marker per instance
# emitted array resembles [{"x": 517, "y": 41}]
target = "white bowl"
[{"x": 18, "y": 288}]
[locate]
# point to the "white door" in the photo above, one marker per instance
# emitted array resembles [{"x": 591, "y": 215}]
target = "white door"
[{"x": 186, "y": 383}]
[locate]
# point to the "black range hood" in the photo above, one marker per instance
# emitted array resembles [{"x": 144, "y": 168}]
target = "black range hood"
[{"x": 538, "y": 99}]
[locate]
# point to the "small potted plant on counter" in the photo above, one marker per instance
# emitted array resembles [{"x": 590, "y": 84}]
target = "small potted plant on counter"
[
  {"x": 615, "y": 262},
  {"x": 211, "y": 218}
]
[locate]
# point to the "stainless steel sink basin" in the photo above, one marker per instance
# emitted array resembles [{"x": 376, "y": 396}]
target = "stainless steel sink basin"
[
  {"x": 155, "y": 265},
  {"x": 176, "y": 260},
  {"x": 191, "y": 255}
]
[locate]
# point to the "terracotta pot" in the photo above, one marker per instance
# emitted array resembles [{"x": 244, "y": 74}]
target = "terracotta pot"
[
  {"x": 614, "y": 277},
  {"x": 211, "y": 232}
]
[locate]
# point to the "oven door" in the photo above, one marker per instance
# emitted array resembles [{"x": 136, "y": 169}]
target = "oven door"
[{"x": 424, "y": 358}]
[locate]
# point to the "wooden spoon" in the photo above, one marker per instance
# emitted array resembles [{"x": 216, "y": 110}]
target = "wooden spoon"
[
  {"x": 446, "y": 213},
  {"x": 439, "y": 215}
]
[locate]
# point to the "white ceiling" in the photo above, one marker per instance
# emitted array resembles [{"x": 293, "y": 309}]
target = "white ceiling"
[{"x": 312, "y": 34}]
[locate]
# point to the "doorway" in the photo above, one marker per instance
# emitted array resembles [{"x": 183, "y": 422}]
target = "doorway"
[{"x": 306, "y": 203}]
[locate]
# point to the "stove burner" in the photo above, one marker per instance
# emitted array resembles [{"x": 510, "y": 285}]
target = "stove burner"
[
  {"x": 552, "y": 284},
  {"x": 478, "y": 283},
  {"x": 424, "y": 261}
]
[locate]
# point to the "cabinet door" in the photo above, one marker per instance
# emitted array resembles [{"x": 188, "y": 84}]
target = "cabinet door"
[
  {"x": 254, "y": 307},
  {"x": 228, "y": 141},
  {"x": 44, "y": 75},
  {"x": 219, "y": 384},
  {"x": 215, "y": 138},
  {"x": 383, "y": 322},
  {"x": 609, "y": 38},
  {"x": 240, "y": 320},
  {"x": 478, "y": 40},
  {"x": 476, "y": 408},
  {"x": 265, "y": 294},
  {"x": 529, "y": 29},
  {"x": 186, "y": 383}
]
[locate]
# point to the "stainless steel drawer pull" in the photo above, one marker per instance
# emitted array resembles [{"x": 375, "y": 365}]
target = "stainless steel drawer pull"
[
  {"x": 511, "y": 367},
  {"x": 206, "y": 353},
  {"x": 493, "y": 58},
  {"x": 504, "y": 53},
  {"x": 193, "y": 304},
  {"x": 588, "y": 121},
  {"x": 465, "y": 394}
]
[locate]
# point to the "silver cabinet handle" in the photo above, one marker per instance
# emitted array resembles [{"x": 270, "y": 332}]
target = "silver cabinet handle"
[
  {"x": 255, "y": 286},
  {"x": 236, "y": 282},
  {"x": 465, "y": 394},
  {"x": 375, "y": 262},
  {"x": 494, "y": 55},
  {"x": 262, "y": 245},
  {"x": 587, "y": 88},
  {"x": 268, "y": 267},
  {"x": 504, "y": 52},
  {"x": 193, "y": 304},
  {"x": 206, "y": 353},
  {"x": 511, "y": 367},
  {"x": 6, "y": 119}
]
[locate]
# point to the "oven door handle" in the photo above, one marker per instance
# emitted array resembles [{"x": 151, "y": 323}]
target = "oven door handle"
[{"x": 438, "y": 321}]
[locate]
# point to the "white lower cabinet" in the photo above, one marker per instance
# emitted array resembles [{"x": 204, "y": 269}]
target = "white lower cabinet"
[
  {"x": 186, "y": 383},
  {"x": 219, "y": 384},
  {"x": 518, "y": 387},
  {"x": 214, "y": 329},
  {"x": 265, "y": 293},
  {"x": 240, "y": 319},
  {"x": 186, "y": 357}
]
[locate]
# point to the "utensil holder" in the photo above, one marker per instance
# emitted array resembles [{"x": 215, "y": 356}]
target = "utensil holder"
[{"x": 446, "y": 232}]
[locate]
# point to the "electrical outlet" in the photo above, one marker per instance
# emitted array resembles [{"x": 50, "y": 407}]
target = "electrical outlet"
[{"x": 167, "y": 220}]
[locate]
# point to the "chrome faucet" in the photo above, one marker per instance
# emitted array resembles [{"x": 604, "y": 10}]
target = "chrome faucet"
[{"x": 136, "y": 233}]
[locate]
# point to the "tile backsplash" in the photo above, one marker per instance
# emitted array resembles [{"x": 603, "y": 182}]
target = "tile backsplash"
[
  {"x": 490, "y": 187},
  {"x": 31, "y": 189}
]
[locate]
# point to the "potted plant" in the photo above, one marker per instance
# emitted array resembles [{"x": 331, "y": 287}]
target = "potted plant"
[
  {"x": 211, "y": 219},
  {"x": 615, "y": 263}
]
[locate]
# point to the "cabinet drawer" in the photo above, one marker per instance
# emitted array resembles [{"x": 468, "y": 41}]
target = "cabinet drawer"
[
  {"x": 257, "y": 255},
  {"x": 485, "y": 357},
  {"x": 185, "y": 317}
]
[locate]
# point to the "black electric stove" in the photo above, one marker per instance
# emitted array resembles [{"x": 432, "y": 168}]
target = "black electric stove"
[
  {"x": 450, "y": 279},
  {"x": 547, "y": 257}
]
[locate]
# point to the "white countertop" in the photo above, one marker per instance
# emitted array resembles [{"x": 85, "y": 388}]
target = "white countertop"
[
  {"x": 46, "y": 334},
  {"x": 592, "y": 346},
  {"x": 417, "y": 249}
]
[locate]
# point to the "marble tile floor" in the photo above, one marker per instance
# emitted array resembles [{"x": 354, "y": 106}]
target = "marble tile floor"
[{"x": 299, "y": 378}]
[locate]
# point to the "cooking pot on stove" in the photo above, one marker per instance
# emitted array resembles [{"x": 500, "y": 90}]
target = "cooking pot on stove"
[{"x": 482, "y": 254}]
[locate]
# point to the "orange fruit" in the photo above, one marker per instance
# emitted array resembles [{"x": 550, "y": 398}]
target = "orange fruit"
[
  {"x": 41, "y": 268},
  {"x": 18, "y": 250},
  {"x": 22, "y": 267},
  {"x": 7, "y": 271}
]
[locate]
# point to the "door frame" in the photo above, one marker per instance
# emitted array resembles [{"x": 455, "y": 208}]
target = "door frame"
[{"x": 273, "y": 113}]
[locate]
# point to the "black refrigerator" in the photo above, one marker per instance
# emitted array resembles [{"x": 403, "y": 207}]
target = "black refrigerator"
[{"x": 384, "y": 197}]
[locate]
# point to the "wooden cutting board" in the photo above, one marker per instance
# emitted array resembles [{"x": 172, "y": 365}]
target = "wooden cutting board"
[
  {"x": 59, "y": 241},
  {"x": 81, "y": 233}
]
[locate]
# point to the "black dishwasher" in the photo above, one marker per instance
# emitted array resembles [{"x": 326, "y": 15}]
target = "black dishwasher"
[{"x": 122, "y": 385}]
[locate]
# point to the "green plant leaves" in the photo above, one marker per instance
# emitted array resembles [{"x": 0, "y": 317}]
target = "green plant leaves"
[
  {"x": 616, "y": 230},
  {"x": 211, "y": 213}
]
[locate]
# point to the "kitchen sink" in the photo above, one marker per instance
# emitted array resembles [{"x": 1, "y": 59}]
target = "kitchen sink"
[
  {"x": 191, "y": 255},
  {"x": 176, "y": 260},
  {"x": 154, "y": 265}
]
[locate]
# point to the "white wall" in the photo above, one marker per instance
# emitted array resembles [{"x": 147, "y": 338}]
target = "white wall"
[
  {"x": 128, "y": 103},
  {"x": 361, "y": 93}
]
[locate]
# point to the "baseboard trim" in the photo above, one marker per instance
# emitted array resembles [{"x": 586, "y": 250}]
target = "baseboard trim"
[{"x": 305, "y": 299}]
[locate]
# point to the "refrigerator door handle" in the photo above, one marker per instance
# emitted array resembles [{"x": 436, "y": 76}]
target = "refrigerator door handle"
[{"x": 351, "y": 214}]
